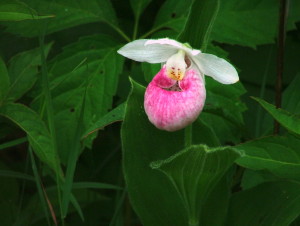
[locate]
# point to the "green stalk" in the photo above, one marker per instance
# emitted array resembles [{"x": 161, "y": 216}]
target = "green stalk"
[
  {"x": 50, "y": 115},
  {"x": 188, "y": 135},
  {"x": 203, "y": 37},
  {"x": 38, "y": 185},
  {"x": 13, "y": 143}
]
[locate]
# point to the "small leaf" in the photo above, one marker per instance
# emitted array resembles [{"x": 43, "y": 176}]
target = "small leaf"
[
  {"x": 194, "y": 172},
  {"x": 17, "y": 11},
  {"x": 117, "y": 114},
  {"x": 272, "y": 203},
  {"x": 4, "y": 81},
  {"x": 278, "y": 155},
  {"x": 37, "y": 132},
  {"x": 23, "y": 70},
  {"x": 290, "y": 121}
]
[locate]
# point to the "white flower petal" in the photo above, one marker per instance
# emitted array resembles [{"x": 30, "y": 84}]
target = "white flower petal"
[
  {"x": 138, "y": 50},
  {"x": 171, "y": 42},
  {"x": 218, "y": 68}
]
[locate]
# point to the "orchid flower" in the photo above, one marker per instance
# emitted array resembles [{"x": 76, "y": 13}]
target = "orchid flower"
[{"x": 176, "y": 95}]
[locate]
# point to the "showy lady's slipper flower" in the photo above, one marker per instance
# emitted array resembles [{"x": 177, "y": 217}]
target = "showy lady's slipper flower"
[{"x": 176, "y": 95}]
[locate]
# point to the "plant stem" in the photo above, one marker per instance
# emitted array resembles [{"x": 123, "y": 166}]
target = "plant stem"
[
  {"x": 50, "y": 113},
  {"x": 280, "y": 55},
  {"x": 188, "y": 135}
]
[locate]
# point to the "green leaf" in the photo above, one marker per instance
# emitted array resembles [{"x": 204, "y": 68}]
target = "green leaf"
[
  {"x": 17, "y": 11},
  {"x": 250, "y": 23},
  {"x": 4, "y": 81},
  {"x": 290, "y": 121},
  {"x": 272, "y": 203},
  {"x": 117, "y": 114},
  {"x": 23, "y": 71},
  {"x": 195, "y": 33},
  {"x": 36, "y": 130},
  {"x": 92, "y": 62},
  {"x": 194, "y": 172},
  {"x": 94, "y": 185},
  {"x": 152, "y": 196},
  {"x": 278, "y": 155},
  {"x": 67, "y": 14}
]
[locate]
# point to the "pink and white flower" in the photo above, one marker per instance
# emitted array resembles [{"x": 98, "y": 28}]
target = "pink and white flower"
[{"x": 176, "y": 95}]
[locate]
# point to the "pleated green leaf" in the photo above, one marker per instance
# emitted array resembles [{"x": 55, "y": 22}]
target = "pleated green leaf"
[{"x": 194, "y": 172}]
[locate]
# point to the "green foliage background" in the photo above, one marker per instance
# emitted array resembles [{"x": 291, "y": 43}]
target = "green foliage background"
[{"x": 76, "y": 147}]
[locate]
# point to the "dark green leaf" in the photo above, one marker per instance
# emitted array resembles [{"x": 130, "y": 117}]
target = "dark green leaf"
[
  {"x": 67, "y": 14},
  {"x": 250, "y": 23},
  {"x": 23, "y": 71},
  {"x": 278, "y": 155},
  {"x": 16, "y": 11},
  {"x": 117, "y": 114},
  {"x": 92, "y": 62},
  {"x": 290, "y": 121},
  {"x": 273, "y": 203},
  {"x": 38, "y": 134}
]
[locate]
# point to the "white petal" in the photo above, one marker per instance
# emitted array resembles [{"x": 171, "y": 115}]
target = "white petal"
[
  {"x": 151, "y": 53},
  {"x": 218, "y": 68}
]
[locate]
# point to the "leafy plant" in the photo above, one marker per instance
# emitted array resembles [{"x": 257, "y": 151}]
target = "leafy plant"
[{"x": 77, "y": 147}]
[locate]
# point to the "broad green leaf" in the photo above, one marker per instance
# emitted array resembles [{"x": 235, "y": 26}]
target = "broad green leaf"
[
  {"x": 278, "y": 155},
  {"x": 250, "y": 23},
  {"x": 23, "y": 70},
  {"x": 153, "y": 197},
  {"x": 138, "y": 6},
  {"x": 36, "y": 130},
  {"x": 4, "y": 81},
  {"x": 272, "y": 203},
  {"x": 195, "y": 33},
  {"x": 117, "y": 114},
  {"x": 194, "y": 172},
  {"x": 290, "y": 121},
  {"x": 93, "y": 62},
  {"x": 17, "y": 11},
  {"x": 67, "y": 13}
]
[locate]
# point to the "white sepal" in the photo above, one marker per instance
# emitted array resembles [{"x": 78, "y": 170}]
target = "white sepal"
[
  {"x": 152, "y": 53},
  {"x": 217, "y": 68}
]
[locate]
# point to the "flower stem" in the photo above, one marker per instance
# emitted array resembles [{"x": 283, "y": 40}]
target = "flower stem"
[
  {"x": 280, "y": 55},
  {"x": 188, "y": 135}
]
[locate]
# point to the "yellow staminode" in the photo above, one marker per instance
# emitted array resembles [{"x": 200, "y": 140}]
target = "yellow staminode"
[{"x": 176, "y": 66}]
